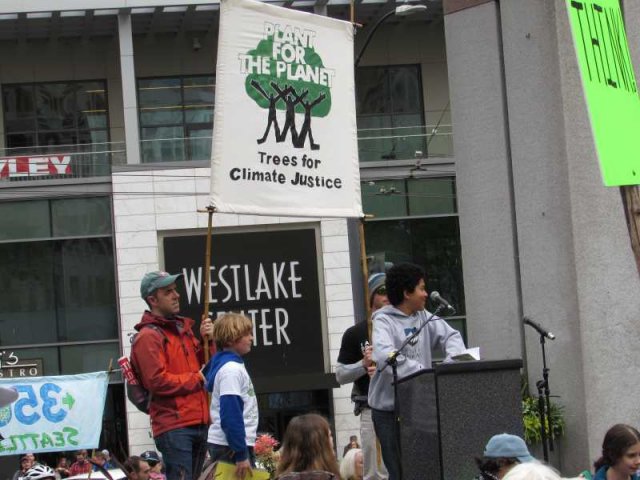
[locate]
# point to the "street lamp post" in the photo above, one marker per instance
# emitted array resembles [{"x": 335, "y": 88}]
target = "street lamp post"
[{"x": 401, "y": 11}]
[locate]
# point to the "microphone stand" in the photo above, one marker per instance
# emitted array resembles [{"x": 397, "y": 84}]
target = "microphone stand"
[
  {"x": 392, "y": 360},
  {"x": 544, "y": 405}
]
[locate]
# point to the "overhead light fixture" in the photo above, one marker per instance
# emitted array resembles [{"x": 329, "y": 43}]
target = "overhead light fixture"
[
  {"x": 34, "y": 15},
  {"x": 177, "y": 9},
  {"x": 405, "y": 10},
  {"x": 105, "y": 12},
  {"x": 142, "y": 10},
  {"x": 73, "y": 13}
]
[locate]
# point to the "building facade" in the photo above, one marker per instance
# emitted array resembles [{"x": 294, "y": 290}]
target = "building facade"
[{"x": 107, "y": 113}]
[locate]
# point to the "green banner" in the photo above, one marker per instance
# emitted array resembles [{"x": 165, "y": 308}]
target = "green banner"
[{"x": 609, "y": 87}]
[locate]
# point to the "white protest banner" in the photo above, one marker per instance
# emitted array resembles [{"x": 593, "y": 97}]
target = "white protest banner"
[
  {"x": 284, "y": 135},
  {"x": 53, "y": 414}
]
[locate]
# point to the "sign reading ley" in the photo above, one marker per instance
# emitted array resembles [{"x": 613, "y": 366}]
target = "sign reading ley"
[{"x": 272, "y": 277}]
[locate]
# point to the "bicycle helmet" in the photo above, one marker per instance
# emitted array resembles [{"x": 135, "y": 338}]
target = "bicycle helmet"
[{"x": 39, "y": 472}]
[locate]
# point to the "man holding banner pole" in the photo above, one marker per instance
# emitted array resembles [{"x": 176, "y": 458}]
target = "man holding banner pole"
[
  {"x": 167, "y": 358},
  {"x": 356, "y": 366}
]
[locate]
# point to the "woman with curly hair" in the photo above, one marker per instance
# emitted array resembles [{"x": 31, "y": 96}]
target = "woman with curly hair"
[
  {"x": 620, "y": 458},
  {"x": 307, "y": 450}
]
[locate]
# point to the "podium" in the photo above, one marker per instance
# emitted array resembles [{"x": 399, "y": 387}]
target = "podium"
[{"x": 448, "y": 413}]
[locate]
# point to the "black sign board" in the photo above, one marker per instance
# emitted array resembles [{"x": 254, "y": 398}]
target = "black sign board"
[{"x": 270, "y": 276}]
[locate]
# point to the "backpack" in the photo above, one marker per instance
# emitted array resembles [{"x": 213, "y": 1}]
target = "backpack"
[{"x": 136, "y": 393}]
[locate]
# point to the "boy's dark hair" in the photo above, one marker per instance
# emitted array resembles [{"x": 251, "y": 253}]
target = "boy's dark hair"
[
  {"x": 401, "y": 278},
  {"x": 132, "y": 464}
]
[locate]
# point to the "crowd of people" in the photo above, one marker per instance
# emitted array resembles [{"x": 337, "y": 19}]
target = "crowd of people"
[
  {"x": 144, "y": 467},
  {"x": 308, "y": 453},
  {"x": 189, "y": 428}
]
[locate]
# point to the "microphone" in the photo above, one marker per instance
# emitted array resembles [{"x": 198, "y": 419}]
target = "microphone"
[
  {"x": 538, "y": 328},
  {"x": 436, "y": 298}
]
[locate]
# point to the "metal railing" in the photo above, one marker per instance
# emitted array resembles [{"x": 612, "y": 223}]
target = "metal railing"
[
  {"x": 97, "y": 159},
  {"x": 60, "y": 161},
  {"x": 407, "y": 142}
]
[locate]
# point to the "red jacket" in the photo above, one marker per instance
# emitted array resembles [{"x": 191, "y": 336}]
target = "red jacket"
[{"x": 168, "y": 366}]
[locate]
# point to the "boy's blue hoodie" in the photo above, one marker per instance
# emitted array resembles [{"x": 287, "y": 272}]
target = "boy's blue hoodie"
[{"x": 231, "y": 406}]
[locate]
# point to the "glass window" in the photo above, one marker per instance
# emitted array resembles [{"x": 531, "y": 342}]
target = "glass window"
[
  {"x": 431, "y": 196},
  {"x": 390, "y": 111},
  {"x": 199, "y": 91},
  {"x": 176, "y": 118},
  {"x": 384, "y": 198},
  {"x": 85, "y": 289},
  {"x": 55, "y": 287},
  {"x": 59, "y": 117},
  {"x": 60, "y": 292},
  {"x": 432, "y": 243},
  {"x": 159, "y": 92},
  {"x": 87, "y": 358},
  {"x": 415, "y": 220},
  {"x": 28, "y": 313},
  {"x": 410, "y": 196},
  {"x": 25, "y": 220},
  {"x": 81, "y": 216}
]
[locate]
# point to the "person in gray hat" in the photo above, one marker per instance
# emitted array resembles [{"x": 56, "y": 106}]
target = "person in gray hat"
[
  {"x": 167, "y": 358},
  {"x": 355, "y": 366}
]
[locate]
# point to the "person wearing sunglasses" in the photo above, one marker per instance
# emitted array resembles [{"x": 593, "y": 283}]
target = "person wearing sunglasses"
[{"x": 355, "y": 366}]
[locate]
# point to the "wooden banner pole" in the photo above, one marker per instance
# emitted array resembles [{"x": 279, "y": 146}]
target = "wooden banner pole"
[
  {"x": 207, "y": 279},
  {"x": 365, "y": 273}
]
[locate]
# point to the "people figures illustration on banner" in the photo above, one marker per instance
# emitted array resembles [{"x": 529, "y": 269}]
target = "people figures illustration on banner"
[{"x": 291, "y": 99}]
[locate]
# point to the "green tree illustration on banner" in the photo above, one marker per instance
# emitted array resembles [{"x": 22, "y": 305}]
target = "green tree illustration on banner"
[{"x": 285, "y": 73}]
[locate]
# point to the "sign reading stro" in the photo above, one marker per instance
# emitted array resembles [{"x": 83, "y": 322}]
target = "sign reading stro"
[
  {"x": 53, "y": 414},
  {"x": 285, "y": 135}
]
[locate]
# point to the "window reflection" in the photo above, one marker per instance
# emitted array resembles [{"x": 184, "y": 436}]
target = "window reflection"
[
  {"x": 176, "y": 118},
  {"x": 60, "y": 118},
  {"x": 415, "y": 220},
  {"x": 389, "y": 103},
  {"x": 57, "y": 284}
]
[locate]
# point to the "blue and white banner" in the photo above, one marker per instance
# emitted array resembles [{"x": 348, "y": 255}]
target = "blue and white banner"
[{"x": 53, "y": 413}]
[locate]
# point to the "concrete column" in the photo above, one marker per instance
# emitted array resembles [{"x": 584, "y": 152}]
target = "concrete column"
[
  {"x": 542, "y": 201},
  {"x": 128, "y": 75},
  {"x": 483, "y": 176},
  {"x": 528, "y": 170},
  {"x": 607, "y": 282}
]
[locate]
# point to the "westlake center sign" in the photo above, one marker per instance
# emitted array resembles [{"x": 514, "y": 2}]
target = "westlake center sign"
[
  {"x": 272, "y": 278},
  {"x": 284, "y": 135}
]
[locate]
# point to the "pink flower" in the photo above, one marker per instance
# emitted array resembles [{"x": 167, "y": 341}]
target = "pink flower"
[{"x": 265, "y": 444}]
